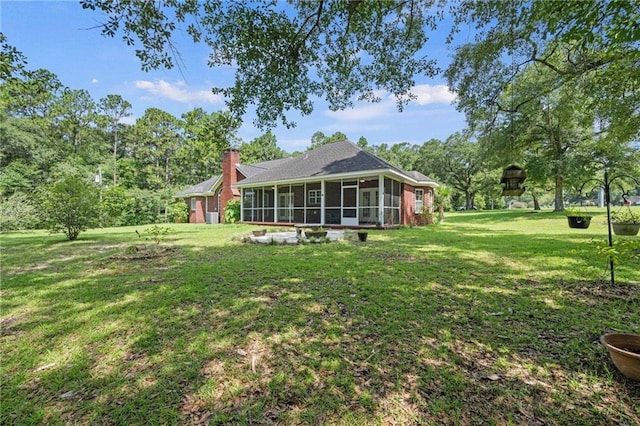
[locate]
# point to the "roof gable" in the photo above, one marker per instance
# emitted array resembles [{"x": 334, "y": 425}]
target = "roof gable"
[
  {"x": 200, "y": 188},
  {"x": 333, "y": 158}
]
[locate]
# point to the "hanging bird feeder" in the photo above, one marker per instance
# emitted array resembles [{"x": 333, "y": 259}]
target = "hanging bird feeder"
[{"x": 512, "y": 182}]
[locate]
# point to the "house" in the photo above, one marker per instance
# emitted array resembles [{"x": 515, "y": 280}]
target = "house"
[{"x": 338, "y": 184}]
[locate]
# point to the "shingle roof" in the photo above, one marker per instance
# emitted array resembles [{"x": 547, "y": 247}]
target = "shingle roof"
[
  {"x": 420, "y": 177},
  {"x": 333, "y": 158},
  {"x": 249, "y": 170},
  {"x": 200, "y": 188}
]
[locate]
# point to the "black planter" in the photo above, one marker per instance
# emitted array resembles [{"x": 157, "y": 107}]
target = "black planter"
[
  {"x": 582, "y": 222},
  {"x": 315, "y": 234},
  {"x": 362, "y": 236}
]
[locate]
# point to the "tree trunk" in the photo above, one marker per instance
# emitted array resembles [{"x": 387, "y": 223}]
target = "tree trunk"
[
  {"x": 536, "y": 203},
  {"x": 468, "y": 200},
  {"x": 559, "y": 199},
  {"x": 115, "y": 156}
]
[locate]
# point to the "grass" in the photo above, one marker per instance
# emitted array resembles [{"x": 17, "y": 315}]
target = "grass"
[{"x": 489, "y": 318}]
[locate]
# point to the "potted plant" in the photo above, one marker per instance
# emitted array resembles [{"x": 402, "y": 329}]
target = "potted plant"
[
  {"x": 625, "y": 222},
  {"x": 577, "y": 219},
  {"x": 316, "y": 232},
  {"x": 259, "y": 232}
]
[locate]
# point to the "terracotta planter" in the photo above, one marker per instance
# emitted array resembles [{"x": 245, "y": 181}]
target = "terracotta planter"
[
  {"x": 581, "y": 222},
  {"x": 625, "y": 352},
  {"x": 620, "y": 228}
]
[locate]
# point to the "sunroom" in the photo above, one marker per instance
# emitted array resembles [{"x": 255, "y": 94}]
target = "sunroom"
[{"x": 353, "y": 201}]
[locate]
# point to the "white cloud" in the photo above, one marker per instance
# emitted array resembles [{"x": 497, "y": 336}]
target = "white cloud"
[
  {"x": 178, "y": 92},
  {"x": 427, "y": 94},
  {"x": 94, "y": 80},
  {"x": 291, "y": 145},
  {"x": 364, "y": 112}
]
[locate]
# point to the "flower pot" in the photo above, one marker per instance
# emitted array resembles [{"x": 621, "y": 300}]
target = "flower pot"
[
  {"x": 259, "y": 232},
  {"x": 362, "y": 236},
  {"x": 625, "y": 352},
  {"x": 579, "y": 221},
  {"x": 620, "y": 228}
]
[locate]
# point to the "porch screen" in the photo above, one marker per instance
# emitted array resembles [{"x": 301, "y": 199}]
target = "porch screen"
[{"x": 392, "y": 200}]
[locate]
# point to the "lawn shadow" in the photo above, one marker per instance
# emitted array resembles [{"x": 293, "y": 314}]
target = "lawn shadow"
[{"x": 406, "y": 328}]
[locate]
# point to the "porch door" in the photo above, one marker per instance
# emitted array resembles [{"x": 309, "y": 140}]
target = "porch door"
[
  {"x": 349, "y": 206},
  {"x": 369, "y": 206}
]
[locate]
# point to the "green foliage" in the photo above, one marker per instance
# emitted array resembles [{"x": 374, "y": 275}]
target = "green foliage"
[
  {"x": 116, "y": 205},
  {"x": 576, "y": 212},
  {"x": 336, "y": 50},
  {"x": 206, "y": 135},
  {"x": 19, "y": 176},
  {"x": 232, "y": 211},
  {"x": 18, "y": 212},
  {"x": 70, "y": 205},
  {"x": 157, "y": 233},
  {"x": 157, "y": 138},
  {"x": 262, "y": 148},
  {"x": 623, "y": 250},
  {"x": 144, "y": 209},
  {"x": 625, "y": 215},
  {"x": 179, "y": 211}
]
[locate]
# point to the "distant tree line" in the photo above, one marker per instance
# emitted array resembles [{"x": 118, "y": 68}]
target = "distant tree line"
[{"x": 59, "y": 143}]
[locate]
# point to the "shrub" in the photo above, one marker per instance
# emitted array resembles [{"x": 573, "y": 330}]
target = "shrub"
[
  {"x": 179, "y": 211},
  {"x": 18, "y": 212},
  {"x": 232, "y": 211},
  {"x": 116, "y": 203},
  {"x": 70, "y": 205}
]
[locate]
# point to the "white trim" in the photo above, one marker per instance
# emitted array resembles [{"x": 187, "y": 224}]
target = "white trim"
[
  {"x": 415, "y": 201},
  {"x": 344, "y": 176}
]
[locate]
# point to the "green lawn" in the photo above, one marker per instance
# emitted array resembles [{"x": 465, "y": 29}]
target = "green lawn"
[{"x": 489, "y": 318}]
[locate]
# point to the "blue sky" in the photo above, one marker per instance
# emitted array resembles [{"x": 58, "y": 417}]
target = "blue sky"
[{"x": 58, "y": 36}]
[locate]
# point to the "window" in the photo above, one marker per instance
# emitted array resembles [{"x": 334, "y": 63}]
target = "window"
[
  {"x": 193, "y": 204},
  {"x": 314, "y": 196},
  {"x": 419, "y": 201}
]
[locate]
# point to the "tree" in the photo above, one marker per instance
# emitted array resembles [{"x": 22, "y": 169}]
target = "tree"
[
  {"x": 157, "y": 137},
  {"x": 318, "y": 139},
  {"x": 18, "y": 211},
  {"x": 262, "y": 148},
  {"x": 457, "y": 162},
  {"x": 346, "y": 50},
  {"x": 596, "y": 39},
  {"x": 337, "y": 50},
  {"x": 206, "y": 135},
  {"x": 70, "y": 205},
  {"x": 72, "y": 115},
  {"x": 114, "y": 108}
]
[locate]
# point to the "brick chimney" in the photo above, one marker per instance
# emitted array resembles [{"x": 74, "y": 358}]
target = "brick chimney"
[{"x": 230, "y": 157}]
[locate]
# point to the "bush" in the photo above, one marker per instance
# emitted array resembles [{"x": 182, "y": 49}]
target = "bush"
[
  {"x": 144, "y": 208},
  {"x": 232, "y": 211},
  {"x": 116, "y": 202},
  {"x": 179, "y": 211},
  {"x": 70, "y": 205},
  {"x": 18, "y": 212}
]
